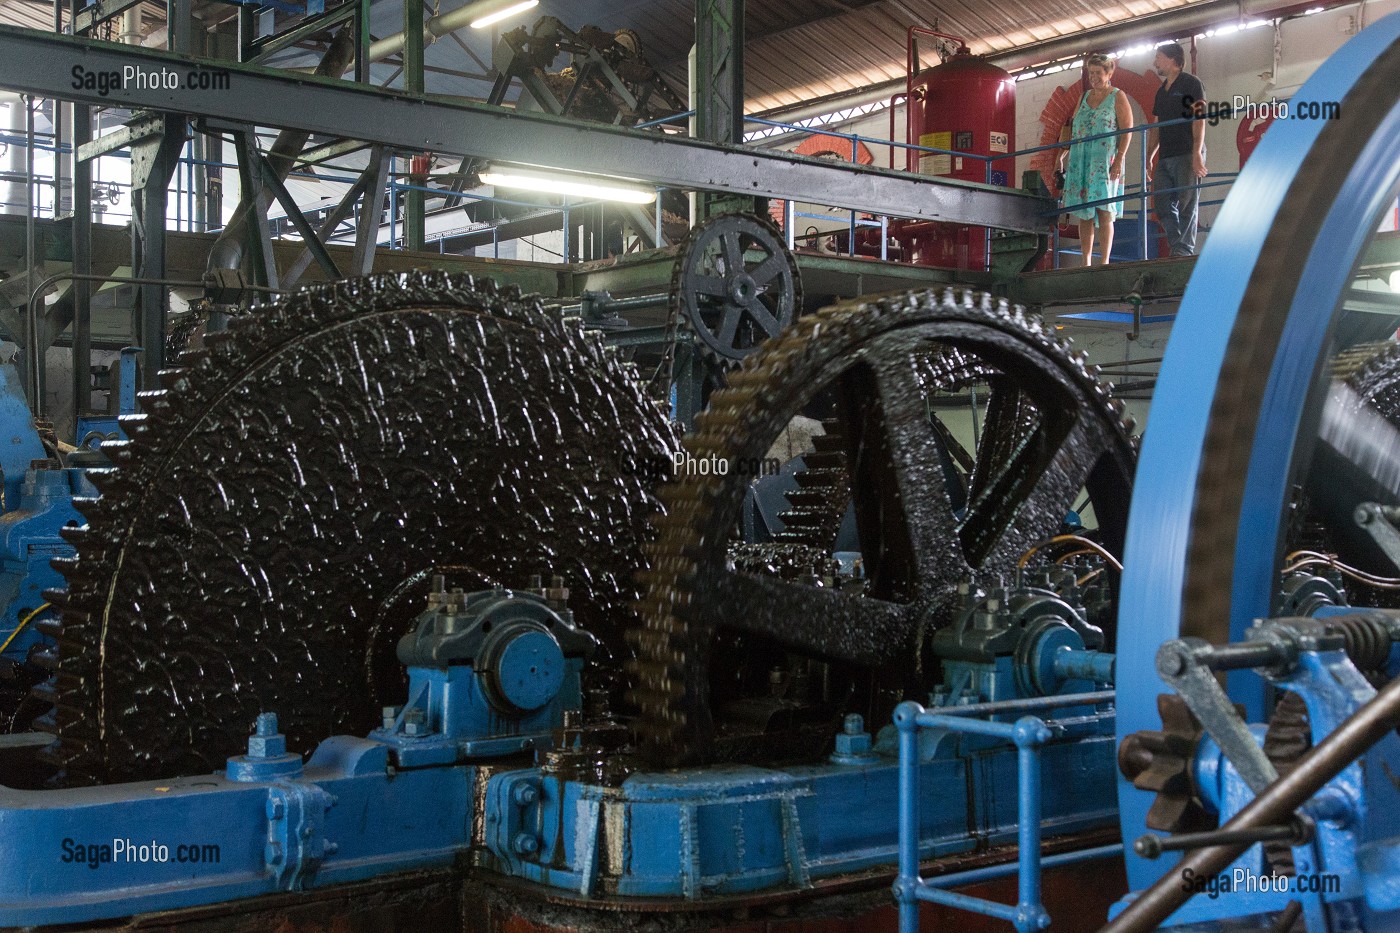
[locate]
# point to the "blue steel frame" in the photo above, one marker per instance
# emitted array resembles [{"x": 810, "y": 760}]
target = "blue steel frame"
[
  {"x": 1029, "y": 734},
  {"x": 1165, "y": 491}
]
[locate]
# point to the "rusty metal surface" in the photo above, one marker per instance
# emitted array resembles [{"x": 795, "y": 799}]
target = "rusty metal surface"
[
  {"x": 1078, "y": 897},
  {"x": 421, "y": 900},
  {"x": 915, "y": 549},
  {"x": 252, "y": 547}
]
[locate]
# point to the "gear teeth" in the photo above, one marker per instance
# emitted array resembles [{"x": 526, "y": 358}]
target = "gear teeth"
[{"x": 103, "y": 480}]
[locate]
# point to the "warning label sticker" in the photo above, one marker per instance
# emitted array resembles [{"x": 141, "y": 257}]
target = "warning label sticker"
[{"x": 935, "y": 163}]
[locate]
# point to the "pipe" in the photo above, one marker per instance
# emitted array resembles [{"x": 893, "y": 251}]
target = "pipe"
[
  {"x": 1274, "y": 806},
  {"x": 227, "y": 251},
  {"x": 894, "y": 103},
  {"x": 11, "y": 197},
  {"x": 33, "y": 355},
  {"x": 434, "y": 28},
  {"x": 131, "y": 27}
]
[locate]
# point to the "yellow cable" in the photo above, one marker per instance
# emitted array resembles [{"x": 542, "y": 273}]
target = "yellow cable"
[
  {"x": 22, "y": 623},
  {"x": 1370, "y": 579},
  {"x": 1078, "y": 539}
]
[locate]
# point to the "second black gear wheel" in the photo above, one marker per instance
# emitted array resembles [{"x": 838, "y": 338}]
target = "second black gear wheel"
[{"x": 872, "y": 355}]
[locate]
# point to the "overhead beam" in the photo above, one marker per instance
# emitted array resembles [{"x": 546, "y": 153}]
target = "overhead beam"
[{"x": 42, "y": 64}]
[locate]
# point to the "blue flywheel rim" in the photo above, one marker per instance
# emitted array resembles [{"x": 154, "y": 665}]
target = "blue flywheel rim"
[{"x": 1165, "y": 496}]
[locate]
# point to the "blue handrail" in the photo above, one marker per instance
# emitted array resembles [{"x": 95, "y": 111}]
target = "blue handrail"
[{"x": 1029, "y": 734}]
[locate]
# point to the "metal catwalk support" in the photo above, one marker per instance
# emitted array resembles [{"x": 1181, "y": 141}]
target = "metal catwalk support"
[
  {"x": 376, "y": 179},
  {"x": 82, "y": 264},
  {"x": 33, "y": 267},
  {"x": 255, "y": 199},
  {"x": 413, "y": 233},
  {"x": 41, "y": 63},
  {"x": 153, "y": 162},
  {"x": 368, "y": 192},
  {"x": 719, "y": 71}
]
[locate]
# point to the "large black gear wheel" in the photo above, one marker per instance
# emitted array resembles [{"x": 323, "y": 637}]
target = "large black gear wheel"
[
  {"x": 915, "y": 549},
  {"x": 735, "y": 284},
  {"x": 291, "y": 483}
]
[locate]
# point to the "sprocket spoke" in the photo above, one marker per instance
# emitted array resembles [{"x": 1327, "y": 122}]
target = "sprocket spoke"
[
  {"x": 733, "y": 252},
  {"x": 900, "y": 448},
  {"x": 1009, "y": 418},
  {"x": 729, "y": 324},
  {"x": 1031, "y": 495},
  {"x": 837, "y": 625},
  {"x": 712, "y": 286},
  {"x": 767, "y": 270},
  {"x": 761, "y": 316}
]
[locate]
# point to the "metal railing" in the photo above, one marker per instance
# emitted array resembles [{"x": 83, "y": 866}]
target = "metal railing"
[
  {"x": 1140, "y": 193},
  {"x": 1029, "y": 734}
]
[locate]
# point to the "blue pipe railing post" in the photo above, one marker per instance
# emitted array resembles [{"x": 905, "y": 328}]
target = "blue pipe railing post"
[
  {"x": 1029, "y": 733},
  {"x": 906, "y": 885},
  {"x": 1142, "y": 220}
]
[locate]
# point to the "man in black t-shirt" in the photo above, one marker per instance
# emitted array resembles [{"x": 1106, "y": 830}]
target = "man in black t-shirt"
[{"x": 1180, "y": 150}]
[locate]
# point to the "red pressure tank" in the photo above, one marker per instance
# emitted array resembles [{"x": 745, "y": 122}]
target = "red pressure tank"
[{"x": 967, "y": 105}]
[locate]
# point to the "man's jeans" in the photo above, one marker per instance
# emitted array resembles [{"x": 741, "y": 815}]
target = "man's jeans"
[{"x": 1176, "y": 210}]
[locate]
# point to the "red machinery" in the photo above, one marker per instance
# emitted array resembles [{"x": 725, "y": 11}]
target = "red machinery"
[{"x": 965, "y": 105}]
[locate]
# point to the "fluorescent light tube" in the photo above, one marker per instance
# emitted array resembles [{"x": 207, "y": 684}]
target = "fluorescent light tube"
[
  {"x": 502, "y": 12},
  {"x": 558, "y": 184}
]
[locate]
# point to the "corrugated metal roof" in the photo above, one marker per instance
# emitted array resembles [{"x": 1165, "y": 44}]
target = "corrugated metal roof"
[
  {"x": 794, "y": 51},
  {"x": 798, "y": 51}
]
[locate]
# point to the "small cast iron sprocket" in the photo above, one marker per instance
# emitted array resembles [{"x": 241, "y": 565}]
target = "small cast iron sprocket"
[
  {"x": 291, "y": 477},
  {"x": 915, "y": 549}
]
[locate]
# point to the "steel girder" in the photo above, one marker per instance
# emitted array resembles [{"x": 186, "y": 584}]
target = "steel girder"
[{"x": 43, "y": 64}]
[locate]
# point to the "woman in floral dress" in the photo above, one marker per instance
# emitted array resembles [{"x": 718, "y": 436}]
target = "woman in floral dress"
[{"x": 1096, "y": 166}]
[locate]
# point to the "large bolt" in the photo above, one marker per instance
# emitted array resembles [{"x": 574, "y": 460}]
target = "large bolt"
[
  {"x": 415, "y": 722},
  {"x": 266, "y": 724},
  {"x": 526, "y": 844},
  {"x": 853, "y": 724},
  {"x": 526, "y": 794}
]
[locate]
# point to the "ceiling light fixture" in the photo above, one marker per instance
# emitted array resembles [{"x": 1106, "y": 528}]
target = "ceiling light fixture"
[
  {"x": 578, "y": 185},
  {"x": 493, "y": 11}
]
